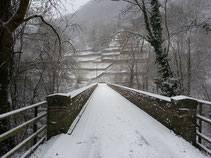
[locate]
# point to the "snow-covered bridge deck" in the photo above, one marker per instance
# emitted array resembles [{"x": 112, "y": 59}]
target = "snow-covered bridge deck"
[{"x": 113, "y": 127}]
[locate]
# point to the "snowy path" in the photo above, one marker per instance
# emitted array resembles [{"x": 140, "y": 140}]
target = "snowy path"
[{"x": 113, "y": 127}]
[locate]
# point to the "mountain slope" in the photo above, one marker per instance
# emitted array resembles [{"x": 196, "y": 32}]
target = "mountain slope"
[{"x": 98, "y": 19}]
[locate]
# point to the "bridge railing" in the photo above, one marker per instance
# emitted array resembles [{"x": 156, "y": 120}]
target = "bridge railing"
[
  {"x": 183, "y": 115},
  {"x": 62, "y": 109},
  {"x": 36, "y": 132},
  {"x": 204, "y": 126}
]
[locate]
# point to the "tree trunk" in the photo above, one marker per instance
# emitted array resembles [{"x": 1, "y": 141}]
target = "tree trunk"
[
  {"x": 189, "y": 67},
  {"x": 6, "y": 44},
  {"x": 165, "y": 81},
  {"x": 8, "y": 24},
  {"x": 137, "y": 76},
  {"x": 131, "y": 78}
]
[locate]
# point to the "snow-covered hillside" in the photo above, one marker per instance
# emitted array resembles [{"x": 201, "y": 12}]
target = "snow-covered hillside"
[
  {"x": 93, "y": 13},
  {"x": 111, "y": 64},
  {"x": 97, "y": 20}
]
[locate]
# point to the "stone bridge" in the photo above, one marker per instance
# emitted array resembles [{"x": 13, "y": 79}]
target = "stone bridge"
[{"x": 108, "y": 120}]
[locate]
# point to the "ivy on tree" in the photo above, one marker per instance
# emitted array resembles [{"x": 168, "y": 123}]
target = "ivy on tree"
[{"x": 165, "y": 81}]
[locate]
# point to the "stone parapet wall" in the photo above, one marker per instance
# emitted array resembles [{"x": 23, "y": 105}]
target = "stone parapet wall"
[
  {"x": 177, "y": 114},
  {"x": 63, "y": 109}
]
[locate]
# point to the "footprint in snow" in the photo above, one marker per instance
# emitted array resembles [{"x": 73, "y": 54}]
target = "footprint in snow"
[
  {"x": 94, "y": 139},
  {"x": 141, "y": 139},
  {"x": 81, "y": 142},
  {"x": 118, "y": 118},
  {"x": 131, "y": 154},
  {"x": 99, "y": 155}
]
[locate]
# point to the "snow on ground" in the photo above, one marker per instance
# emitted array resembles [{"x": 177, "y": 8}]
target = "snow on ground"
[
  {"x": 116, "y": 48},
  {"x": 95, "y": 65},
  {"x": 111, "y": 54},
  {"x": 88, "y": 58},
  {"x": 108, "y": 57},
  {"x": 113, "y": 127},
  {"x": 87, "y": 53},
  {"x": 93, "y": 74},
  {"x": 114, "y": 43},
  {"x": 76, "y": 92},
  {"x": 152, "y": 94}
]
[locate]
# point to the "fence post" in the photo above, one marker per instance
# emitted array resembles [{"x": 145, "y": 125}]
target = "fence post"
[
  {"x": 184, "y": 120},
  {"x": 200, "y": 121},
  {"x": 57, "y": 114},
  {"x": 35, "y": 124}
]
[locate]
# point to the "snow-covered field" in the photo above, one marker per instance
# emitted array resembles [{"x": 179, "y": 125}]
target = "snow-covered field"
[{"x": 113, "y": 127}]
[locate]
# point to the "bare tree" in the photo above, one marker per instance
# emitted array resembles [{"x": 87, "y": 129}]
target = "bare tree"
[{"x": 13, "y": 14}]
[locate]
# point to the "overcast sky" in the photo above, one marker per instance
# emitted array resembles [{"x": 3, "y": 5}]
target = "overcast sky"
[{"x": 73, "y": 5}]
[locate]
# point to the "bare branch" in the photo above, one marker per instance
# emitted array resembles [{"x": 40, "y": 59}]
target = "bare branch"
[
  {"x": 43, "y": 20},
  {"x": 74, "y": 50},
  {"x": 18, "y": 16},
  {"x": 167, "y": 29}
]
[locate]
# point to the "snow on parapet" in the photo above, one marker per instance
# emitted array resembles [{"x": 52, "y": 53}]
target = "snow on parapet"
[
  {"x": 73, "y": 93},
  {"x": 80, "y": 90},
  {"x": 181, "y": 97},
  {"x": 147, "y": 93},
  {"x": 176, "y": 98},
  {"x": 204, "y": 102},
  {"x": 60, "y": 94}
]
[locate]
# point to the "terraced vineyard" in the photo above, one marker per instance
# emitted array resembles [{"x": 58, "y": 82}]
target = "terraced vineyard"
[{"x": 108, "y": 65}]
